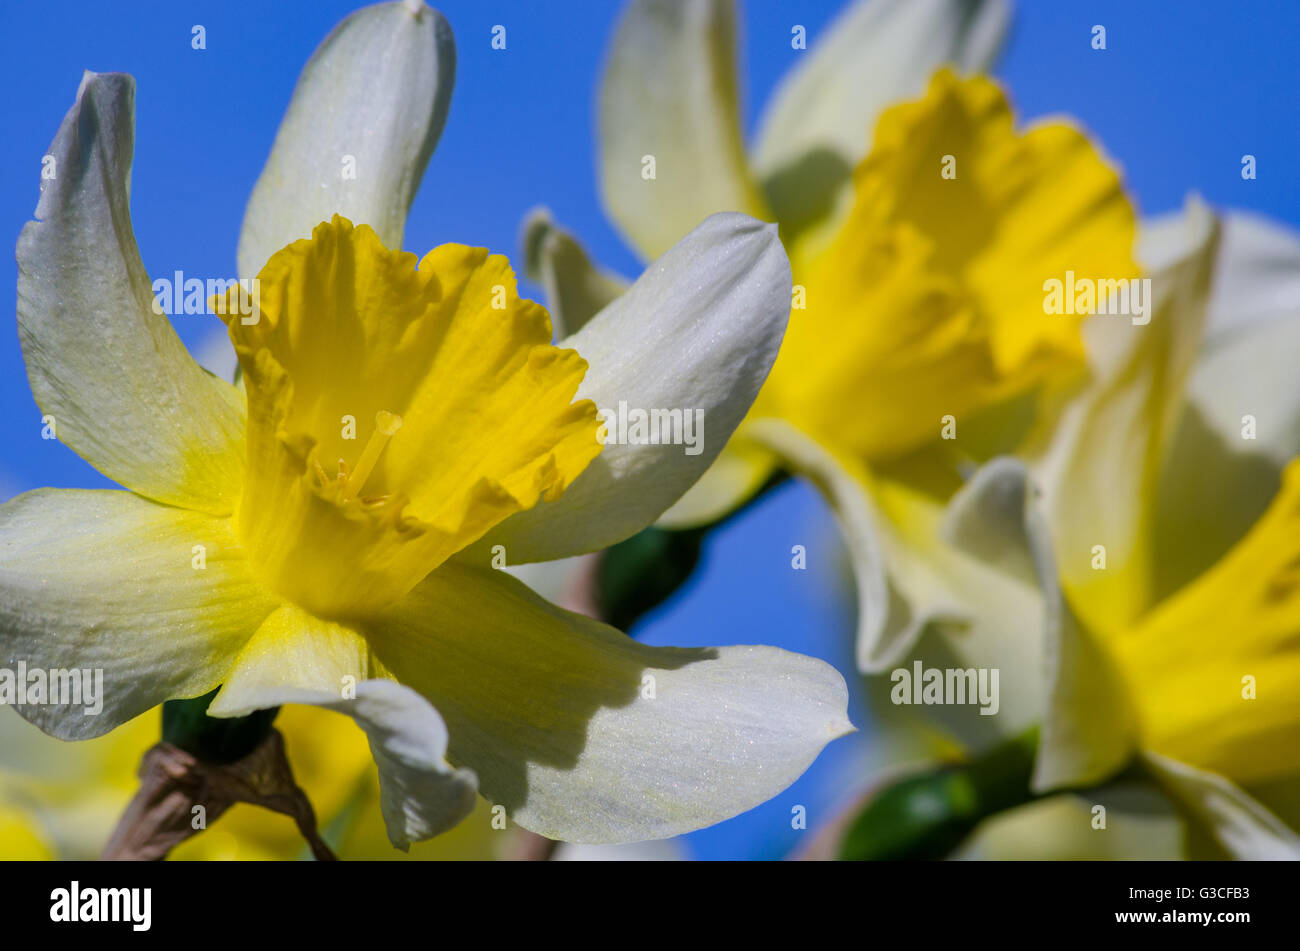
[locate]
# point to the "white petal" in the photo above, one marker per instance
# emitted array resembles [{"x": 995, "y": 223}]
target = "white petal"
[
  {"x": 1089, "y": 730},
  {"x": 821, "y": 119},
  {"x": 986, "y": 518},
  {"x": 584, "y": 734},
  {"x": 1215, "y": 483},
  {"x": 420, "y": 794},
  {"x": 1088, "y": 726},
  {"x": 1249, "y": 371},
  {"x": 1141, "y": 824},
  {"x": 122, "y": 390},
  {"x": 698, "y": 332},
  {"x": 1256, "y": 275},
  {"x": 576, "y": 290},
  {"x": 669, "y": 94},
  {"x": 1101, "y": 470},
  {"x": 740, "y": 470},
  {"x": 921, "y": 599},
  {"x": 1240, "y": 422},
  {"x": 1246, "y": 366},
  {"x": 362, "y": 124},
  {"x": 1240, "y": 824},
  {"x": 107, "y": 580}
]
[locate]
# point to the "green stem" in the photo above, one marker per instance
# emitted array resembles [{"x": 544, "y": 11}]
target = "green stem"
[{"x": 186, "y": 724}]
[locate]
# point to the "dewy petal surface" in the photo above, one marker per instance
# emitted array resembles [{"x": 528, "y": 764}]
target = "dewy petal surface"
[
  {"x": 585, "y": 735},
  {"x": 395, "y": 414},
  {"x": 106, "y": 579},
  {"x": 110, "y": 370},
  {"x": 929, "y": 299},
  {"x": 360, "y": 128},
  {"x": 697, "y": 332}
]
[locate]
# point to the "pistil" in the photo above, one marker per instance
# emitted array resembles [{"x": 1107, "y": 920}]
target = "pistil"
[{"x": 386, "y": 426}]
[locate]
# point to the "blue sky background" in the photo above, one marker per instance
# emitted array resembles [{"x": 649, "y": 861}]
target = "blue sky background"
[{"x": 1182, "y": 92}]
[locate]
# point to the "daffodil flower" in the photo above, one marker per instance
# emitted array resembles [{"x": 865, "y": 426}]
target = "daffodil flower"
[
  {"x": 918, "y": 344},
  {"x": 1104, "y": 562},
  {"x": 924, "y": 303},
  {"x": 1166, "y": 573},
  {"x": 1173, "y": 599},
  {"x": 261, "y": 549}
]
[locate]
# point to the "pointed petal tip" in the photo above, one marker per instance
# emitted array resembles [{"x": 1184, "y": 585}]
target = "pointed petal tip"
[
  {"x": 840, "y": 726},
  {"x": 91, "y": 79},
  {"x": 540, "y": 214},
  {"x": 838, "y": 723},
  {"x": 377, "y": 89}
]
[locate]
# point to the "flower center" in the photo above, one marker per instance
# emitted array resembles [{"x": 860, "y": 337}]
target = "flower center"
[
  {"x": 386, "y": 426},
  {"x": 348, "y": 332},
  {"x": 931, "y": 287}
]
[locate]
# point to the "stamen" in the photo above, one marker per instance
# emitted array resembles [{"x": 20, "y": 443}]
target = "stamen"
[
  {"x": 386, "y": 426},
  {"x": 320, "y": 474}
]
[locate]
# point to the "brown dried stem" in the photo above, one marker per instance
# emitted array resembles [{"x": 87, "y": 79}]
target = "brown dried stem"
[{"x": 173, "y": 782}]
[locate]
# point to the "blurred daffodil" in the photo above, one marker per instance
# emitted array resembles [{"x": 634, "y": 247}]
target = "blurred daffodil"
[
  {"x": 1135, "y": 573},
  {"x": 920, "y": 257},
  {"x": 1158, "y": 521},
  {"x": 261, "y": 548},
  {"x": 921, "y": 225}
]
